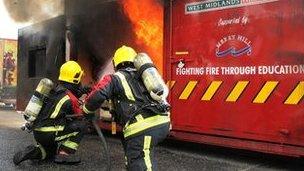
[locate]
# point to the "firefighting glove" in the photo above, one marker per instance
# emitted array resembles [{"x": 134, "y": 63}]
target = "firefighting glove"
[
  {"x": 107, "y": 105},
  {"x": 85, "y": 89}
]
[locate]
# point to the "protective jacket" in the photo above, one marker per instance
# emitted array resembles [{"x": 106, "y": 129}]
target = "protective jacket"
[
  {"x": 52, "y": 116},
  {"x": 53, "y": 132},
  {"x": 134, "y": 109}
]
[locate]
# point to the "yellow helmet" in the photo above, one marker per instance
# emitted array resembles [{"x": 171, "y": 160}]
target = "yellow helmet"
[
  {"x": 124, "y": 54},
  {"x": 70, "y": 72}
]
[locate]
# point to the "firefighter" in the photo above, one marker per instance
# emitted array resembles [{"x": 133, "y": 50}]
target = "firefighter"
[
  {"x": 57, "y": 136},
  {"x": 144, "y": 123}
]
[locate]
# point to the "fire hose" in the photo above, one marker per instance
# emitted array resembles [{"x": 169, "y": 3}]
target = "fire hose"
[
  {"x": 104, "y": 143},
  {"x": 101, "y": 136}
]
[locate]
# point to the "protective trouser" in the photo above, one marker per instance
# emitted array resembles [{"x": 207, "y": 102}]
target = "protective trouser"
[
  {"x": 68, "y": 139},
  {"x": 139, "y": 150}
]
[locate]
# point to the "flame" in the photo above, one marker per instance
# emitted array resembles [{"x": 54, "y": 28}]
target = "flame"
[{"x": 146, "y": 17}]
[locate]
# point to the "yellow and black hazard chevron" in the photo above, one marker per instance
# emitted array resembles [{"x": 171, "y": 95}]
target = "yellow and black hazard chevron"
[{"x": 263, "y": 93}]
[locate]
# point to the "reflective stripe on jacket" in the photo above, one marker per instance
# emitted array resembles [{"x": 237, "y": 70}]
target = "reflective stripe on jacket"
[
  {"x": 144, "y": 124},
  {"x": 128, "y": 93},
  {"x": 60, "y": 103}
]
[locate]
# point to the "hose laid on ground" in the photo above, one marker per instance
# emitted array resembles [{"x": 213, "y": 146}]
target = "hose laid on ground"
[
  {"x": 101, "y": 136},
  {"x": 104, "y": 144}
]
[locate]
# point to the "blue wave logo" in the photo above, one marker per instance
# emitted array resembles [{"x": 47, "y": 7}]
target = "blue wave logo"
[
  {"x": 233, "y": 52},
  {"x": 233, "y": 45}
]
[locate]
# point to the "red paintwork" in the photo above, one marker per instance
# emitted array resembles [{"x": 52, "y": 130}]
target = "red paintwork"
[{"x": 276, "y": 32}]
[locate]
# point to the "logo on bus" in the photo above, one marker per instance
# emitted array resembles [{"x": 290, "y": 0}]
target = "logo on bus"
[
  {"x": 214, "y": 5},
  {"x": 234, "y": 45},
  {"x": 233, "y": 21}
]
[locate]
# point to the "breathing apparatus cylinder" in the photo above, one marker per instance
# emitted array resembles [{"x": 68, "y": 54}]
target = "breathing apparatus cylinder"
[
  {"x": 151, "y": 77},
  {"x": 35, "y": 104}
]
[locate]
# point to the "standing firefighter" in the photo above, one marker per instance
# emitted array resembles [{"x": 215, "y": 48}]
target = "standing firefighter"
[
  {"x": 55, "y": 134},
  {"x": 142, "y": 113}
]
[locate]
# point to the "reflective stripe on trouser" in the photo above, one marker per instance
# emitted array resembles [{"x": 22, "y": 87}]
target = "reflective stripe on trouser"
[
  {"x": 71, "y": 136},
  {"x": 144, "y": 124},
  {"x": 70, "y": 144},
  {"x": 66, "y": 136},
  {"x": 52, "y": 140},
  {"x": 47, "y": 145},
  {"x": 50, "y": 129},
  {"x": 146, "y": 149},
  {"x": 42, "y": 150},
  {"x": 139, "y": 150},
  {"x": 126, "y": 161}
]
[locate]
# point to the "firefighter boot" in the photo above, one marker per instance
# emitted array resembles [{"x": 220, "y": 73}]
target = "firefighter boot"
[
  {"x": 67, "y": 159},
  {"x": 30, "y": 152}
]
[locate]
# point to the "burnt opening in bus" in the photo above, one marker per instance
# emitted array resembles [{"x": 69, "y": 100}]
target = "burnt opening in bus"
[{"x": 36, "y": 62}]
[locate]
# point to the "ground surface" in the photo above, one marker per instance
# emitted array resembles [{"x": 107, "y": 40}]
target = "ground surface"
[{"x": 172, "y": 155}]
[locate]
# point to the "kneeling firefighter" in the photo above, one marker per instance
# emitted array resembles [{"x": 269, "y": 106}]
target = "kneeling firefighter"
[
  {"x": 57, "y": 136},
  {"x": 139, "y": 107}
]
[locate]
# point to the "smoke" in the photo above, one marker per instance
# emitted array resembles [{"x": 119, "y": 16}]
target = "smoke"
[
  {"x": 99, "y": 27},
  {"x": 33, "y": 10}
]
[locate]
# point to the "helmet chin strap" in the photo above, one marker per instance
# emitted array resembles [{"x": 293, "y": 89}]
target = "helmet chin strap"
[{"x": 124, "y": 65}]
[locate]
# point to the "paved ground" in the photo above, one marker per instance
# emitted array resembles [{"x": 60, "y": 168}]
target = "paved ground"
[{"x": 172, "y": 155}]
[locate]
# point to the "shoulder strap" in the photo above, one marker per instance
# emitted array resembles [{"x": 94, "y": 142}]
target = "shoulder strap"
[
  {"x": 59, "y": 106},
  {"x": 127, "y": 90}
]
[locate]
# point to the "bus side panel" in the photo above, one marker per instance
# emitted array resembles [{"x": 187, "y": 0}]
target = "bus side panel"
[{"x": 236, "y": 70}]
